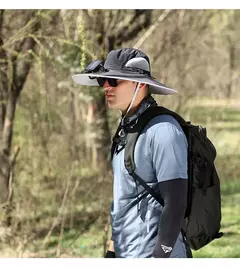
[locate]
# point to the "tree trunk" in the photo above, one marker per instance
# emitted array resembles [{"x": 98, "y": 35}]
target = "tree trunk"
[
  {"x": 11, "y": 85},
  {"x": 4, "y": 162},
  {"x": 231, "y": 70},
  {"x": 103, "y": 140}
]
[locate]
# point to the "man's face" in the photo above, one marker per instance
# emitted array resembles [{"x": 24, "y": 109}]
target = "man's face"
[{"x": 119, "y": 97}]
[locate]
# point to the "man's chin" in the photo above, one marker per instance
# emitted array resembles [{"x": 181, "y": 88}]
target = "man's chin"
[
  {"x": 115, "y": 106},
  {"x": 112, "y": 105}
]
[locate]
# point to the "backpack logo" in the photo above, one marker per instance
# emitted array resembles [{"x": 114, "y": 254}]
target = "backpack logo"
[{"x": 166, "y": 249}]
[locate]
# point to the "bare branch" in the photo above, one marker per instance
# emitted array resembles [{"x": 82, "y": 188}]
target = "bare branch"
[
  {"x": 110, "y": 21},
  {"x": 22, "y": 67},
  {"x": 1, "y": 20},
  {"x": 17, "y": 38},
  {"x": 134, "y": 26},
  {"x": 86, "y": 13},
  {"x": 116, "y": 20},
  {"x": 60, "y": 212},
  {"x": 65, "y": 23},
  {"x": 11, "y": 177},
  {"x": 160, "y": 19},
  {"x": 3, "y": 76}
]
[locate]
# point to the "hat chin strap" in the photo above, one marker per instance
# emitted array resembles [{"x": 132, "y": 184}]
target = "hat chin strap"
[
  {"x": 133, "y": 99},
  {"x": 121, "y": 132}
]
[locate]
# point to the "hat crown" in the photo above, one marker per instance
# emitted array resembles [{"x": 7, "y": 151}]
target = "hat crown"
[{"x": 117, "y": 59}]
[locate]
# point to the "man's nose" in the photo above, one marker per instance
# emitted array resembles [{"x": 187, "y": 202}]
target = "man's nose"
[{"x": 106, "y": 85}]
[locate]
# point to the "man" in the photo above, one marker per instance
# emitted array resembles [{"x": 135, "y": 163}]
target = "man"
[{"x": 141, "y": 227}]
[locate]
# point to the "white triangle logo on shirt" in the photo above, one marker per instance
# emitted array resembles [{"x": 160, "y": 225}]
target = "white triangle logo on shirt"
[{"x": 166, "y": 249}]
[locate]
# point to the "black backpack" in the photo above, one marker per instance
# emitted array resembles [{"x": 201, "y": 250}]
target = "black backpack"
[{"x": 203, "y": 213}]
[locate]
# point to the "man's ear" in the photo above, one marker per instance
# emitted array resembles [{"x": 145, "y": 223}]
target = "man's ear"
[{"x": 142, "y": 85}]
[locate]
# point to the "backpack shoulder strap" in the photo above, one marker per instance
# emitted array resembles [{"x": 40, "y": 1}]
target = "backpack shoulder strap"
[
  {"x": 134, "y": 133},
  {"x": 114, "y": 140},
  {"x": 181, "y": 121}
]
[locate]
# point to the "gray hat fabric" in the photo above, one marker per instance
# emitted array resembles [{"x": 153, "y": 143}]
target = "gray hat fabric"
[{"x": 125, "y": 64}]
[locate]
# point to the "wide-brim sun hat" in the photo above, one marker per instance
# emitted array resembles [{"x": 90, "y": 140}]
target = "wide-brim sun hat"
[{"x": 123, "y": 64}]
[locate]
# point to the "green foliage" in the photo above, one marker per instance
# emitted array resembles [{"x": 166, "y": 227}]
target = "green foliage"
[
  {"x": 79, "y": 245},
  {"x": 221, "y": 20}
]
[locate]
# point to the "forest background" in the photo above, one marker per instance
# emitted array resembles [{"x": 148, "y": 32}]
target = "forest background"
[{"x": 55, "y": 136}]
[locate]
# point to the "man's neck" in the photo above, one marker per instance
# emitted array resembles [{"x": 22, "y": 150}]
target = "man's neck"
[
  {"x": 131, "y": 111},
  {"x": 134, "y": 107}
]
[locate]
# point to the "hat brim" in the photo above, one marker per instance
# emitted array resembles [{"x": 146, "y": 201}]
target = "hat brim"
[{"x": 155, "y": 86}]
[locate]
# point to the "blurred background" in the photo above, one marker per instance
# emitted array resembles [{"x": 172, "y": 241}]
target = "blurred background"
[{"x": 55, "y": 171}]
